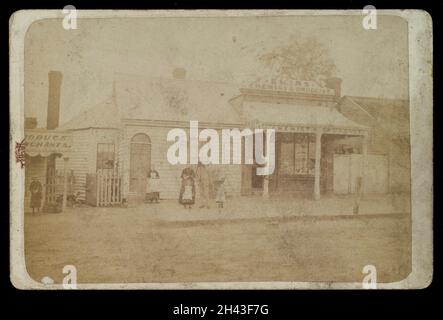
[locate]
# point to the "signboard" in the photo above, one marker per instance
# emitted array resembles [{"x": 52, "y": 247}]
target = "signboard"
[
  {"x": 46, "y": 142},
  {"x": 289, "y": 85}
]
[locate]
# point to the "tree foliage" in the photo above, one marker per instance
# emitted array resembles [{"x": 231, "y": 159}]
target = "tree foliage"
[{"x": 301, "y": 59}]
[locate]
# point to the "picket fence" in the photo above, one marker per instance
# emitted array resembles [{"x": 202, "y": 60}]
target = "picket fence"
[{"x": 109, "y": 185}]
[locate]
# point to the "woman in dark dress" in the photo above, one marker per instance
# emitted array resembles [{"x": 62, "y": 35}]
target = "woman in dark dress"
[
  {"x": 187, "y": 190},
  {"x": 36, "y": 195}
]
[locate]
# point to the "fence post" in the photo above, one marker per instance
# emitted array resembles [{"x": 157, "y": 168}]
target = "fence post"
[
  {"x": 65, "y": 182},
  {"x": 108, "y": 187},
  {"x": 99, "y": 189}
]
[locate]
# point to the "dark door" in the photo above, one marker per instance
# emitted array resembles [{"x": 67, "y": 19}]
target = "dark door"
[
  {"x": 140, "y": 163},
  {"x": 257, "y": 180}
]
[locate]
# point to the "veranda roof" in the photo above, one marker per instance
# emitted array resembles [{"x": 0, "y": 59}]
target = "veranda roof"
[{"x": 297, "y": 115}]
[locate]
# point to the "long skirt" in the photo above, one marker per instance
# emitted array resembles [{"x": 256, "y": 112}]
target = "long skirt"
[
  {"x": 36, "y": 200},
  {"x": 220, "y": 193}
]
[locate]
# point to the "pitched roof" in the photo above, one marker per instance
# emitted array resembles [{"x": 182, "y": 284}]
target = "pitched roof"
[
  {"x": 297, "y": 115},
  {"x": 140, "y": 97},
  {"x": 102, "y": 115},
  {"x": 390, "y": 114},
  {"x": 149, "y": 98}
]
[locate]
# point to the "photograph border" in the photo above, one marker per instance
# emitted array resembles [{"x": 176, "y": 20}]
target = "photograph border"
[{"x": 420, "y": 44}]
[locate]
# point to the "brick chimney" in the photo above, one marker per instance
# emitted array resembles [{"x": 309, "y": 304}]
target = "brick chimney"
[
  {"x": 54, "y": 86},
  {"x": 179, "y": 73},
  {"x": 334, "y": 84}
]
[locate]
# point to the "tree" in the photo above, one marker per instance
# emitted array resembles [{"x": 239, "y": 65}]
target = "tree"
[{"x": 300, "y": 59}]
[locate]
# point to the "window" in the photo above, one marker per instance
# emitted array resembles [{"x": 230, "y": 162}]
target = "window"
[
  {"x": 297, "y": 154},
  {"x": 105, "y": 156}
]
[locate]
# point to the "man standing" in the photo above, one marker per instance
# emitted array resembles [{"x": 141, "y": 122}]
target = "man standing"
[
  {"x": 203, "y": 184},
  {"x": 36, "y": 194}
]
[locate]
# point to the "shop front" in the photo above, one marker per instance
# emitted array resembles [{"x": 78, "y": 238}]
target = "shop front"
[
  {"x": 309, "y": 131},
  {"x": 47, "y": 189},
  {"x": 305, "y": 163}
]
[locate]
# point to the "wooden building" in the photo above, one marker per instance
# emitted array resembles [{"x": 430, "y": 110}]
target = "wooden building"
[
  {"x": 127, "y": 133},
  {"x": 309, "y": 129},
  {"x": 125, "y": 136}
]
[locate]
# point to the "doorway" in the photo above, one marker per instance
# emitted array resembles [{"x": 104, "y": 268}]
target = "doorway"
[{"x": 140, "y": 163}]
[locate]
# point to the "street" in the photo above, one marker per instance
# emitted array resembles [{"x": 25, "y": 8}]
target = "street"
[{"x": 121, "y": 245}]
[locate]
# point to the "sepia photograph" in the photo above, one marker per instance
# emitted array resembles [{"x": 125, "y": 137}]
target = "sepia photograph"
[{"x": 208, "y": 149}]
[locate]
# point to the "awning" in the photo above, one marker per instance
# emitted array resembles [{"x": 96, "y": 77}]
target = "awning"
[
  {"x": 46, "y": 142},
  {"x": 293, "y": 117}
]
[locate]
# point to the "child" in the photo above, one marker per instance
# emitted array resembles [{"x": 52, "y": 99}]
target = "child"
[
  {"x": 187, "y": 190},
  {"x": 36, "y": 194},
  {"x": 220, "y": 196},
  {"x": 153, "y": 187}
]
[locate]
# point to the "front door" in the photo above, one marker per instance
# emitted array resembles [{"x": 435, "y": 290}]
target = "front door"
[
  {"x": 256, "y": 180},
  {"x": 140, "y": 164}
]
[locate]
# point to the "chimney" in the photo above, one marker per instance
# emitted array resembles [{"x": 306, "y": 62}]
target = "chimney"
[
  {"x": 179, "y": 73},
  {"x": 53, "y": 115},
  {"x": 334, "y": 84}
]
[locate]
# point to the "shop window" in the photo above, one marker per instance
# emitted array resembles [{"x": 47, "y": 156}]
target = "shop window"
[
  {"x": 105, "y": 156},
  {"x": 297, "y": 154}
]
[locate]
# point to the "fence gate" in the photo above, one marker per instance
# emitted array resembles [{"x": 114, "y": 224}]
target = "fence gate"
[
  {"x": 108, "y": 186},
  {"x": 55, "y": 184},
  {"x": 347, "y": 169}
]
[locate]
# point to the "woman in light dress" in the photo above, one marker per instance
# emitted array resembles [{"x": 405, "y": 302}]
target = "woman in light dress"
[{"x": 153, "y": 187}]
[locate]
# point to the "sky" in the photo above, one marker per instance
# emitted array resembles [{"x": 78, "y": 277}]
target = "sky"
[{"x": 372, "y": 63}]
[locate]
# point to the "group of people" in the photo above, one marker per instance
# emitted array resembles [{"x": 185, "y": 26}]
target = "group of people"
[
  {"x": 199, "y": 182},
  {"x": 194, "y": 184}
]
